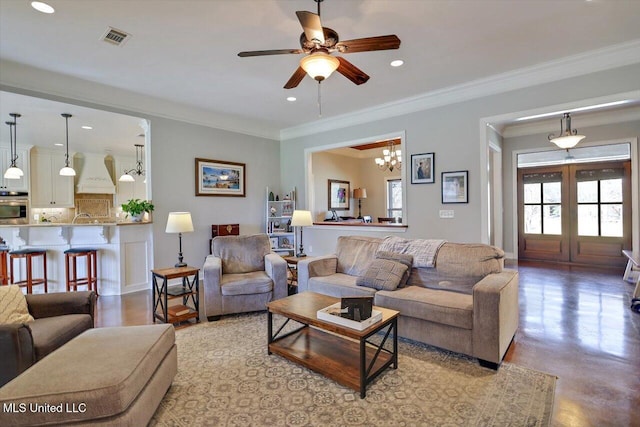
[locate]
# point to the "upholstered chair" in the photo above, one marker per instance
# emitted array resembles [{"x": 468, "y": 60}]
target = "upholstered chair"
[{"x": 241, "y": 275}]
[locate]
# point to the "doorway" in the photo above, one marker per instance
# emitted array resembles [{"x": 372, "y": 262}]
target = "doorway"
[{"x": 576, "y": 213}]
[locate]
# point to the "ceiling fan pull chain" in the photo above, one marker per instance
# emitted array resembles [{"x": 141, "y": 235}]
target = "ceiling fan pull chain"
[{"x": 319, "y": 101}]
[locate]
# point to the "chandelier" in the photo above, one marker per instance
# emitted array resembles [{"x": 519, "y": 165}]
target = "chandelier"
[
  {"x": 391, "y": 158},
  {"x": 138, "y": 170},
  {"x": 568, "y": 138}
]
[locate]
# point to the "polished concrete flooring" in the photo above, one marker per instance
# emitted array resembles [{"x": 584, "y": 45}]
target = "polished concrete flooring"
[{"x": 575, "y": 323}]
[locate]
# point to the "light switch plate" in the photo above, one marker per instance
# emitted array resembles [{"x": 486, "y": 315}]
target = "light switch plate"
[{"x": 446, "y": 213}]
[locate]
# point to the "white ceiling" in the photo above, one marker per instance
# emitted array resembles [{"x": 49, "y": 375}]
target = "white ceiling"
[{"x": 185, "y": 51}]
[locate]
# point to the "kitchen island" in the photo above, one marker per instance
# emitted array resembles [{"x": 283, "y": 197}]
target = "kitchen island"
[{"x": 124, "y": 259}]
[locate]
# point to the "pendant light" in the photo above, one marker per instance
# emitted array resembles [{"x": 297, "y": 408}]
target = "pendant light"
[
  {"x": 568, "y": 138},
  {"x": 13, "y": 172},
  {"x": 67, "y": 170},
  {"x": 138, "y": 170}
]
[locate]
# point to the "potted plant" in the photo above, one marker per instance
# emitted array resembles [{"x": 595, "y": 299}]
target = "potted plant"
[{"x": 136, "y": 208}]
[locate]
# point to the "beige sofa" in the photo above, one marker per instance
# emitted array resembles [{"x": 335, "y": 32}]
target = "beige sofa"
[{"x": 467, "y": 303}]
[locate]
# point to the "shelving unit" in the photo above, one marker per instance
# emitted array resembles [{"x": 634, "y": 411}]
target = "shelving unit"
[{"x": 278, "y": 216}]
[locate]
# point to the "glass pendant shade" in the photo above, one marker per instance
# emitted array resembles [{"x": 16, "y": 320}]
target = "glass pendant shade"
[
  {"x": 568, "y": 138},
  {"x": 319, "y": 65},
  {"x": 125, "y": 177},
  {"x": 67, "y": 171}
]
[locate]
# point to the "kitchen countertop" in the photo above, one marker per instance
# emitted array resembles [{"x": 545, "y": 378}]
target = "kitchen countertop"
[{"x": 68, "y": 224}]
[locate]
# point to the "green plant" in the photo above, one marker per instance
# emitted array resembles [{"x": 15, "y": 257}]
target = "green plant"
[{"x": 137, "y": 206}]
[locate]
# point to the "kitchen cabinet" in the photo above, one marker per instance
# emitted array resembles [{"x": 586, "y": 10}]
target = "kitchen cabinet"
[
  {"x": 22, "y": 162},
  {"x": 48, "y": 188},
  {"x": 129, "y": 190}
]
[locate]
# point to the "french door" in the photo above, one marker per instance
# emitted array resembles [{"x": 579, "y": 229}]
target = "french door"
[{"x": 577, "y": 213}]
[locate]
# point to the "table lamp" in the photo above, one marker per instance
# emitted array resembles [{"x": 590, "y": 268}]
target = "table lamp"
[
  {"x": 360, "y": 193},
  {"x": 301, "y": 219},
  {"x": 179, "y": 222}
]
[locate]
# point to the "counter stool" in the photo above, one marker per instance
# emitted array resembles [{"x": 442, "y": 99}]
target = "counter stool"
[
  {"x": 28, "y": 254},
  {"x": 4, "y": 277},
  {"x": 70, "y": 266}
]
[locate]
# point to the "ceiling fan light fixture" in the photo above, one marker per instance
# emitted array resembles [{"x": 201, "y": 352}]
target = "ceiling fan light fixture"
[
  {"x": 568, "y": 138},
  {"x": 319, "y": 65}
]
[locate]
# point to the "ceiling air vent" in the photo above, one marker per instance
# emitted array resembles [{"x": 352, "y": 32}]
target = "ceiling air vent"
[{"x": 114, "y": 36}]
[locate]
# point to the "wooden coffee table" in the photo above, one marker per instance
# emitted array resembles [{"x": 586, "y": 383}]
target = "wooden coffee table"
[{"x": 343, "y": 354}]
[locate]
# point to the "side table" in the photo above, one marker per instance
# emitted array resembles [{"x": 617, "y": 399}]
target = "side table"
[
  {"x": 292, "y": 265},
  {"x": 162, "y": 293}
]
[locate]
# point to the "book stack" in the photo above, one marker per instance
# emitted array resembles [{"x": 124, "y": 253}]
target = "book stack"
[{"x": 178, "y": 310}]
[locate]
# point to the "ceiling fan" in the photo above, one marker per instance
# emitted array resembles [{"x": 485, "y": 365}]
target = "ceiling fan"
[{"x": 318, "y": 43}]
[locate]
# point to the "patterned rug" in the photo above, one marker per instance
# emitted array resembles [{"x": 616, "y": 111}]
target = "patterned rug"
[{"x": 226, "y": 378}]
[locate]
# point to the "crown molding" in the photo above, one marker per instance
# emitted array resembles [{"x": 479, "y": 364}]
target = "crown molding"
[
  {"x": 572, "y": 66},
  {"x": 32, "y": 81}
]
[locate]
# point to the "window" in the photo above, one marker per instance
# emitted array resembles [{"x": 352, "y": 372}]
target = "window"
[
  {"x": 543, "y": 203},
  {"x": 600, "y": 203},
  {"x": 394, "y": 198}
]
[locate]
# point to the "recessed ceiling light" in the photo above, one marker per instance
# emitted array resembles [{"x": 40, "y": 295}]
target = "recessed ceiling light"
[
  {"x": 397, "y": 62},
  {"x": 86, "y": 127},
  {"x": 42, "y": 7},
  {"x": 291, "y": 98},
  {"x": 58, "y": 144}
]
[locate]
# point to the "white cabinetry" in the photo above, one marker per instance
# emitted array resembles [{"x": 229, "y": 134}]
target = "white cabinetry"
[
  {"x": 22, "y": 162},
  {"x": 278, "y": 217},
  {"x": 48, "y": 188},
  {"x": 129, "y": 190}
]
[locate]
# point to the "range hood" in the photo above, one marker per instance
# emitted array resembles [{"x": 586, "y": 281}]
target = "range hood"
[{"x": 94, "y": 177}]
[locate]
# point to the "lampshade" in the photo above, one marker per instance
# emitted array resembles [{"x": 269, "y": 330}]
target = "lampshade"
[
  {"x": 319, "y": 65},
  {"x": 125, "y": 177},
  {"x": 179, "y": 222},
  {"x": 301, "y": 219},
  {"x": 67, "y": 171},
  {"x": 568, "y": 138},
  {"x": 360, "y": 193},
  {"x": 13, "y": 173}
]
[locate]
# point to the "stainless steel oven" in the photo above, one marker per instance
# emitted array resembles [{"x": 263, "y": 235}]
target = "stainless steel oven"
[{"x": 14, "y": 208}]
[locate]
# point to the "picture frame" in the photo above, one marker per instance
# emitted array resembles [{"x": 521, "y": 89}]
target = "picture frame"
[
  {"x": 339, "y": 195},
  {"x": 274, "y": 242},
  {"x": 423, "y": 168},
  {"x": 220, "y": 178},
  {"x": 455, "y": 187}
]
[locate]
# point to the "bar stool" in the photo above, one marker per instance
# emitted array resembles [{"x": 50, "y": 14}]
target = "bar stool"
[
  {"x": 28, "y": 255},
  {"x": 4, "y": 277},
  {"x": 70, "y": 266}
]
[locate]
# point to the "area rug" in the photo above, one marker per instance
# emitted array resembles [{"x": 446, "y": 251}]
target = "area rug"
[{"x": 226, "y": 378}]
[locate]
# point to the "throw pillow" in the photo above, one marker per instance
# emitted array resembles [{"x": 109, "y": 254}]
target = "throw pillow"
[
  {"x": 382, "y": 274},
  {"x": 406, "y": 259},
  {"x": 13, "y": 306}
]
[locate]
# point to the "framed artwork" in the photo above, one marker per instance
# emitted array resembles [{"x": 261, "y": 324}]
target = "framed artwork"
[
  {"x": 455, "y": 187},
  {"x": 274, "y": 242},
  {"x": 423, "y": 168},
  {"x": 220, "y": 178},
  {"x": 339, "y": 195}
]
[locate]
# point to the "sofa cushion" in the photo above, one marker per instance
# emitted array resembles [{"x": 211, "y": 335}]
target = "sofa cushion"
[
  {"x": 256, "y": 282},
  {"x": 339, "y": 285},
  {"x": 431, "y": 278},
  {"x": 449, "y": 308},
  {"x": 355, "y": 253},
  {"x": 465, "y": 259},
  {"x": 13, "y": 306},
  {"x": 241, "y": 254},
  {"x": 104, "y": 368},
  {"x": 405, "y": 259},
  {"x": 49, "y": 333},
  {"x": 383, "y": 274}
]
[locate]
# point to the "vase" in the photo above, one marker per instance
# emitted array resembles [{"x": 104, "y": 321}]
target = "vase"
[{"x": 137, "y": 217}]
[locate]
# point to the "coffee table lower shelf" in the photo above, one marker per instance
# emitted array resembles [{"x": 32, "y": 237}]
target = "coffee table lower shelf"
[{"x": 333, "y": 356}]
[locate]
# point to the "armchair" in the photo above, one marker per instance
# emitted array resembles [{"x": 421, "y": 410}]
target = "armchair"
[
  {"x": 59, "y": 317},
  {"x": 241, "y": 275}
]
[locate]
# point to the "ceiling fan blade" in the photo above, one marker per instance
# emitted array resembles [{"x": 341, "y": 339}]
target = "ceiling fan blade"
[
  {"x": 351, "y": 72},
  {"x": 368, "y": 44},
  {"x": 269, "y": 52},
  {"x": 312, "y": 26},
  {"x": 295, "y": 79}
]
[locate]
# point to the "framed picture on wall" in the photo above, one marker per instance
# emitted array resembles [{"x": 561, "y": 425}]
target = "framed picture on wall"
[
  {"x": 455, "y": 187},
  {"x": 220, "y": 178},
  {"x": 423, "y": 168},
  {"x": 339, "y": 195}
]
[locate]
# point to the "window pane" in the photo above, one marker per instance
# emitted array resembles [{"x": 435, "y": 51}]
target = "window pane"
[
  {"x": 551, "y": 192},
  {"x": 588, "y": 220},
  {"x": 611, "y": 220},
  {"x": 395, "y": 194},
  {"x": 532, "y": 220},
  {"x": 552, "y": 219},
  {"x": 611, "y": 190},
  {"x": 532, "y": 193},
  {"x": 588, "y": 192}
]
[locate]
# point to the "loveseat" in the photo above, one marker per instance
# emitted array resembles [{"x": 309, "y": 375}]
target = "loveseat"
[
  {"x": 58, "y": 317},
  {"x": 467, "y": 302}
]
